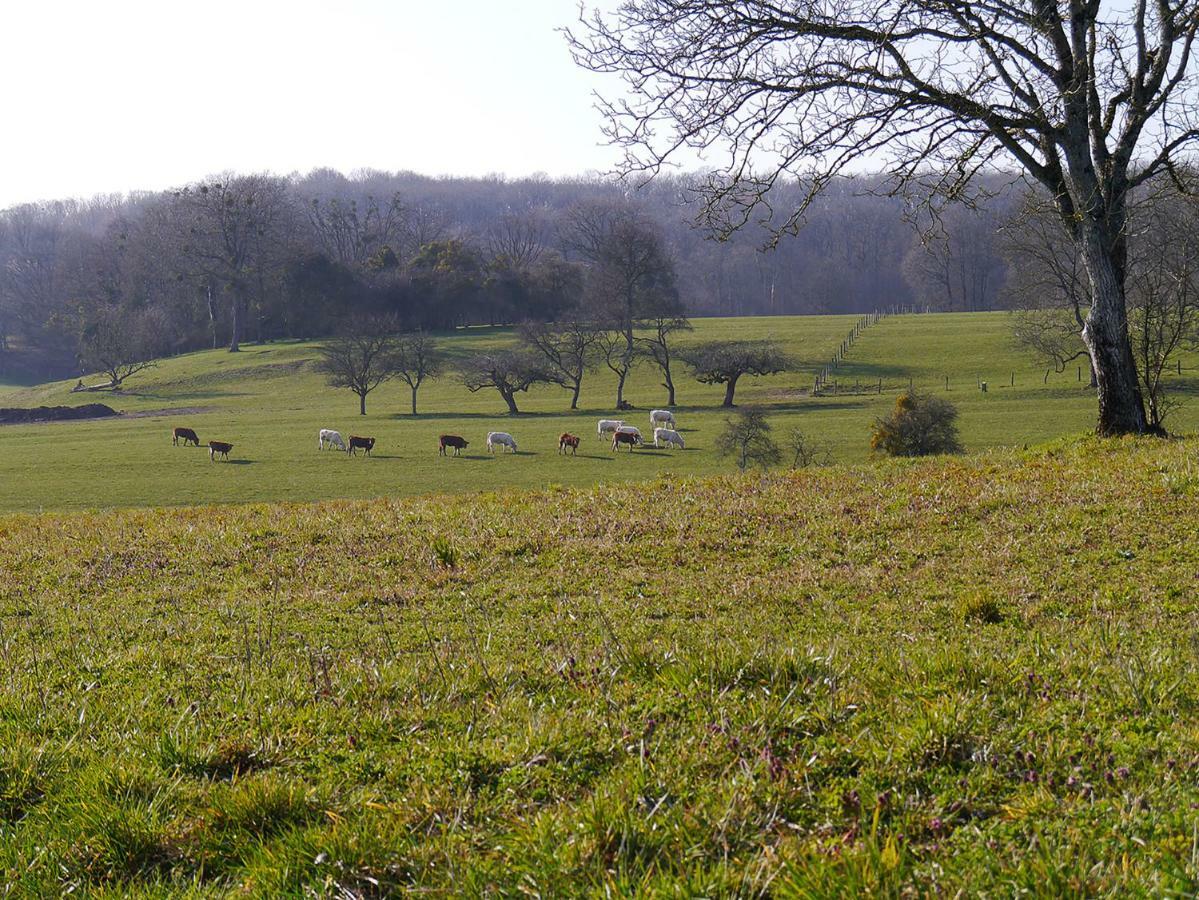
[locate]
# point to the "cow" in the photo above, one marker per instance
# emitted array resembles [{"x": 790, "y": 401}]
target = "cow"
[
  {"x": 607, "y": 426},
  {"x": 566, "y": 439},
  {"x": 500, "y": 439},
  {"x": 632, "y": 438},
  {"x": 451, "y": 440},
  {"x": 221, "y": 447},
  {"x": 668, "y": 437},
  {"x": 366, "y": 444},
  {"x": 330, "y": 437},
  {"x": 661, "y": 417},
  {"x": 186, "y": 434},
  {"x": 631, "y": 429}
]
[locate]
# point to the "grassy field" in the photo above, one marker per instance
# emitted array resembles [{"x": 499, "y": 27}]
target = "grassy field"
[
  {"x": 970, "y": 676},
  {"x": 270, "y": 403}
]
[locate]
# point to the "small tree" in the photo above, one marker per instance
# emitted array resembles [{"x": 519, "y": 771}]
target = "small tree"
[
  {"x": 417, "y": 358},
  {"x": 804, "y": 451},
  {"x": 724, "y": 362},
  {"x": 746, "y": 437},
  {"x": 361, "y": 358},
  {"x": 118, "y": 343},
  {"x": 567, "y": 348},
  {"x": 509, "y": 372},
  {"x": 919, "y": 425}
]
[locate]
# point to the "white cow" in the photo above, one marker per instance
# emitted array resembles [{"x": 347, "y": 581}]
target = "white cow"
[
  {"x": 500, "y": 439},
  {"x": 669, "y": 437},
  {"x": 330, "y": 437},
  {"x": 661, "y": 417},
  {"x": 607, "y": 426}
]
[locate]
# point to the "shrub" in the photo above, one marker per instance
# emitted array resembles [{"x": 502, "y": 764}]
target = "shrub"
[{"x": 919, "y": 425}]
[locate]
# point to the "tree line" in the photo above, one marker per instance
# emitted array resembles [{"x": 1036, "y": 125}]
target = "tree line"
[{"x": 258, "y": 257}]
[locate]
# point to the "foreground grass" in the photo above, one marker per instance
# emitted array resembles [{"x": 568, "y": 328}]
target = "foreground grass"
[
  {"x": 972, "y": 675},
  {"x": 270, "y": 403}
]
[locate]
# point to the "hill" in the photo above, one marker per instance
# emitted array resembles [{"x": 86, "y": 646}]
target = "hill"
[
  {"x": 270, "y": 404},
  {"x": 948, "y": 676}
]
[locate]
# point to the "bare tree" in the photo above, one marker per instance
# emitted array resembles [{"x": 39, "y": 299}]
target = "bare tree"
[
  {"x": 631, "y": 276},
  {"x": 119, "y": 343},
  {"x": 363, "y": 357},
  {"x": 417, "y": 358},
  {"x": 1086, "y": 100},
  {"x": 657, "y": 346},
  {"x": 510, "y": 372},
  {"x": 568, "y": 348},
  {"x": 724, "y": 362},
  {"x": 747, "y": 438},
  {"x": 518, "y": 238},
  {"x": 351, "y": 233}
]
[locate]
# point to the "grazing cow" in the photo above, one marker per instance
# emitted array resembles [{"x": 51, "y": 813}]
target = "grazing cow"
[
  {"x": 451, "y": 440},
  {"x": 186, "y": 434},
  {"x": 330, "y": 437},
  {"x": 631, "y": 429},
  {"x": 668, "y": 437},
  {"x": 361, "y": 443},
  {"x": 661, "y": 417},
  {"x": 632, "y": 438},
  {"x": 221, "y": 447},
  {"x": 607, "y": 426},
  {"x": 566, "y": 439},
  {"x": 500, "y": 439}
]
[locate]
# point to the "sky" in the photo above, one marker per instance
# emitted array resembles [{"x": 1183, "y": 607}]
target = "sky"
[{"x": 130, "y": 95}]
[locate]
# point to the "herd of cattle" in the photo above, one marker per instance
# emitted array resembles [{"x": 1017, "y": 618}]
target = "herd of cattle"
[{"x": 665, "y": 431}]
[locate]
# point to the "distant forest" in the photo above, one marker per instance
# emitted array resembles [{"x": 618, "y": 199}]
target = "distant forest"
[{"x": 256, "y": 258}]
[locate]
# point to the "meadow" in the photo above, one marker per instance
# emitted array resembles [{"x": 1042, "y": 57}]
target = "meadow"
[
  {"x": 954, "y": 676},
  {"x": 270, "y": 403}
]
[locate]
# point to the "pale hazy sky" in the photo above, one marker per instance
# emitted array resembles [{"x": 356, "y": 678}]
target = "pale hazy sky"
[{"x": 131, "y": 94}]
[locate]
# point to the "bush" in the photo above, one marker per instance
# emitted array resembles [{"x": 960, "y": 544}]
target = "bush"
[
  {"x": 919, "y": 425},
  {"x": 746, "y": 438}
]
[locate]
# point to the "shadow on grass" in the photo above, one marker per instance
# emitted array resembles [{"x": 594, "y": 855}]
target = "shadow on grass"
[{"x": 238, "y": 462}]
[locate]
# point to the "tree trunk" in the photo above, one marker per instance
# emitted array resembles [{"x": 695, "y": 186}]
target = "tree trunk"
[
  {"x": 1105, "y": 334},
  {"x": 729, "y": 388},
  {"x": 414, "y": 401},
  {"x": 510, "y": 399},
  {"x": 239, "y": 316},
  {"x": 620, "y": 377},
  {"x": 669, "y": 385},
  {"x": 362, "y": 404},
  {"x": 574, "y": 397}
]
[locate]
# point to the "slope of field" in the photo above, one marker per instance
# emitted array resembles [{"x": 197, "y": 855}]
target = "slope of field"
[
  {"x": 973, "y": 675},
  {"x": 270, "y": 403}
]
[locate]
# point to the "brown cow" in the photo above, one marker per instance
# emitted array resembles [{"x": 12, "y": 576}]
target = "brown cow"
[
  {"x": 451, "y": 440},
  {"x": 215, "y": 447},
  {"x": 187, "y": 434},
  {"x": 625, "y": 437},
  {"x": 566, "y": 439},
  {"x": 361, "y": 443}
]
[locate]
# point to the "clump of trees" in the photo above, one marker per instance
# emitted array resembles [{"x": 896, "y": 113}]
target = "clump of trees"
[{"x": 919, "y": 425}]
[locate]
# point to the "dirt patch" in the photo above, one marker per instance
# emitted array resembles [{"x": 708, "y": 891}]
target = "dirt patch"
[
  {"x": 20, "y": 416},
  {"x": 169, "y": 411}
]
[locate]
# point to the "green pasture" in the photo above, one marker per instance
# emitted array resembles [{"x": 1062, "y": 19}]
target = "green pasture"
[
  {"x": 938, "y": 678},
  {"x": 269, "y": 403}
]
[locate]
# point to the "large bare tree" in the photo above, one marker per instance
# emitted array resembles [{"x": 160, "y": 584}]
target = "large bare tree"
[{"x": 1086, "y": 99}]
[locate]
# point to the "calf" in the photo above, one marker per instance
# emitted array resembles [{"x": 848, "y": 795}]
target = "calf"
[
  {"x": 668, "y": 437},
  {"x": 361, "y": 443},
  {"x": 607, "y": 426},
  {"x": 625, "y": 437},
  {"x": 330, "y": 437},
  {"x": 566, "y": 439},
  {"x": 186, "y": 434},
  {"x": 451, "y": 440},
  {"x": 500, "y": 439},
  {"x": 215, "y": 447}
]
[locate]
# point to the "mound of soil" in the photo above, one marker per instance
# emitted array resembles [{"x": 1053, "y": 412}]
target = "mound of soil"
[{"x": 17, "y": 416}]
